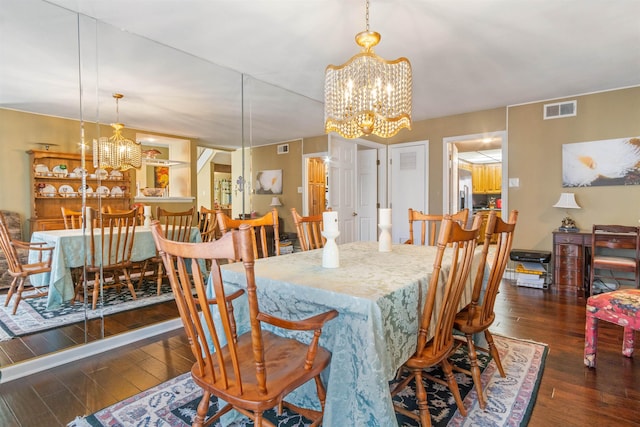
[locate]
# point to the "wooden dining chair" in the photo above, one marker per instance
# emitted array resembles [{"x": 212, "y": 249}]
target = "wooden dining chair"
[
  {"x": 252, "y": 372},
  {"x": 20, "y": 270},
  {"x": 615, "y": 256},
  {"x": 139, "y": 208},
  {"x": 72, "y": 219},
  {"x": 260, "y": 225},
  {"x": 478, "y": 315},
  {"x": 432, "y": 350},
  {"x": 177, "y": 226},
  {"x": 429, "y": 224},
  {"x": 309, "y": 230},
  {"x": 109, "y": 253},
  {"x": 208, "y": 224}
]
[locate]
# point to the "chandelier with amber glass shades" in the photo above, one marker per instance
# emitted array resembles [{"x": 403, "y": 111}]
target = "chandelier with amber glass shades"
[
  {"x": 116, "y": 151},
  {"x": 368, "y": 94}
]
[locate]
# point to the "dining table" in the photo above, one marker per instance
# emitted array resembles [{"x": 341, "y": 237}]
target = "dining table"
[
  {"x": 379, "y": 297},
  {"x": 69, "y": 251}
]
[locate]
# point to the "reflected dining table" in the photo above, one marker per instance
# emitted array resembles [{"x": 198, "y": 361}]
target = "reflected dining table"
[
  {"x": 378, "y": 296},
  {"x": 69, "y": 252}
]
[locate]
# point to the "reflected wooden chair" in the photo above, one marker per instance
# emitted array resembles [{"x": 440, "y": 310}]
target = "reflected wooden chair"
[
  {"x": 309, "y": 230},
  {"x": 252, "y": 372},
  {"x": 478, "y": 316},
  {"x": 20, "y": 270},
  {"x": 139, "y": 208},
  {"x": 260, "y": 225},
  {"x": 208, "y": 224},
  {"x": 109, "y": 254},
  {"x": 177, "y": 226},
  {"x": 433, "y": 349},
  {"x": 615, "y": 257},
  {"x": 429, "y": 224},
  {"x": 72, "y": 219}
]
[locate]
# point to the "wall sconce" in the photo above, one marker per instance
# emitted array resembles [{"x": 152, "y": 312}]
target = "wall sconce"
[
  {"x": 567, "y": 201},
  {"x": 275, "y": 201}
]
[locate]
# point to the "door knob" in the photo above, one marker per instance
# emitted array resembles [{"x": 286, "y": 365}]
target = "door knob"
[{"x": 354, "y": 214}]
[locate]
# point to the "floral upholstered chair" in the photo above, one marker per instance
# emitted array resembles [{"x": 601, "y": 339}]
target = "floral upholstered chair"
[{"x": 621, "y": 307}]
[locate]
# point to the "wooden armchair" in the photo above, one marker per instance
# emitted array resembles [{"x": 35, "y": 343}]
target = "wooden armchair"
[
  {"x": 20, "y": 270},
  {"x": 177, "y": 226},
  {"x": 72, "y": 219},
  {"x": 431, "y": 351},
  {"x": 609, "y": 260},
  {"x": 429, "y": 224},
  {"x": 260, "y": 225},
  {"x": 109, "y": 253},
  {"x": 252, "y": 372},
  {"x": 309, "y": 230},
  {"x": 208, "y": 224},
  {"x": 478, "y": 315}
]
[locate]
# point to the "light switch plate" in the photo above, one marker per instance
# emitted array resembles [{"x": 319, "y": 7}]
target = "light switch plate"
[
  {"x": 299, "y": 190},
  {"x": 514, "y": 182}
]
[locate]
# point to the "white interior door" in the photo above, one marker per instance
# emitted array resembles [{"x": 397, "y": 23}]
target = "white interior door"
[
  {"x": 367, "y": 194},
  {"x": 342, "y": 186},
  {"x": 409, "y": 185}
]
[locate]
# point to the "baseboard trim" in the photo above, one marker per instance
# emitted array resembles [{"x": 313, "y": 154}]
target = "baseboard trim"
[{"x": 33, "y": 366}]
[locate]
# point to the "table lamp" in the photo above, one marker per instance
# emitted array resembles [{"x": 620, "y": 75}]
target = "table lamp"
[
  {"x": 567, "y": 201},
  {"x": 275, "y": 201}
]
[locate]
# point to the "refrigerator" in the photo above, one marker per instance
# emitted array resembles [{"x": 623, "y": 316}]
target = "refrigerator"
[{"x": 465, "y": 188}]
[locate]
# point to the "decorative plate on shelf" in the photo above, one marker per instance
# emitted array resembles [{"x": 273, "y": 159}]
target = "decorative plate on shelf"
[
  {"x": 103, "y": 191},
  {"x": 117, "y": 192},
  {"x": 67, "y": 191},
  {"x": 87, "y": 189},
  {"x": 60, "y": 170},
  {"x": 80, "y": 171},
  {"x": 41, "y": 169},
  {"x": 101, "y": 173},
  {"x": 48, "y": 190},
  {"x": 115, "y": 174}
]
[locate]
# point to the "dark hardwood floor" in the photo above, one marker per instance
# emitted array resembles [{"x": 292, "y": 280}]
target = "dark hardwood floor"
[{"x": 570, "y": 394}]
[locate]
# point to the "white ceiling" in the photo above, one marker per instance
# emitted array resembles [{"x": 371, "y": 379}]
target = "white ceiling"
[{"x": 467, "y": 55}]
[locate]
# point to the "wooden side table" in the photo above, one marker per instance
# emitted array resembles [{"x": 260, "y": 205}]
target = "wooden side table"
[{"x": 570, "y": 260}]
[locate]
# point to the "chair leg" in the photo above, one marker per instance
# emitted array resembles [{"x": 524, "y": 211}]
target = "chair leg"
[
  {"x": 127, "y": 277},
  {"x": 12, "y": 289},
  {"x": 453, "y": 386},
  {"x": 96, "y": 290},
  {"x": 18, "y": 295},
  {"x": 627, "y": 342},
  {"x": 590, "y": 339},
  {"x": 475, "y": 371},
  {"x": 159, "y": 278},
  {"x": 203, "y": 408},
  {"x": 494, "y": 352},
  {"x": 421, "y": 398}
]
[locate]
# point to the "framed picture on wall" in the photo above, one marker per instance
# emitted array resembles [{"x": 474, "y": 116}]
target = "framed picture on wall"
[
  {"x": 598, "y": 163},
  {"x": 160, "y": 176},
  {"x": 269, "y": 182}
]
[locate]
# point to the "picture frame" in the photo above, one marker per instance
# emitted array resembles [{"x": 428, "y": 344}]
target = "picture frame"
[{"x": 269, "y": 181}]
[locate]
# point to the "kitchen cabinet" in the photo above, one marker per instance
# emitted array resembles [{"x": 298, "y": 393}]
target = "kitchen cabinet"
[
  {"x": 487, "y": 178},
  {"x": 57, "y": 181}
]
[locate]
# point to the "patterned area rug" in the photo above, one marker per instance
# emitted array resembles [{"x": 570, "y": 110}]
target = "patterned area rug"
[
  {"x": 510, "y": 399},
  {"x": 33, "y": 316}
]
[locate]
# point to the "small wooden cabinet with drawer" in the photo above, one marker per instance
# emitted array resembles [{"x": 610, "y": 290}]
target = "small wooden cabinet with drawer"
[{"x": 569, "y": 261}]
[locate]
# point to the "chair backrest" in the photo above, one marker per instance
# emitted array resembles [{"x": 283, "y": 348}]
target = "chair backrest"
[
  {"x": 260, "y": 225},
  {"x": 177, "y": 225},
  {"x": 72, "y": 219},
  {"x": 10, "y": 251},
  {"x": 460, "y": 245},
  {"x": 309, "y": 230},
  {"x": 139, "y": 208},
  {"x": 615, "y": 237},
  {"x": 502, "y": 232},
  {"x": 208, "y": 224},
  {"x": 112, "y": 242},
  {"x": 612, "y": 247},
  {"x": 429, "y": 224},
  {"x": 180, "y": 260}
]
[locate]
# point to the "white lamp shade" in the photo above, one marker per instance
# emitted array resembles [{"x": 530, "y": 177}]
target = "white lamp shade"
[
  {"x": 567, "y": 201},
  {"x": 275, "y": 201}
]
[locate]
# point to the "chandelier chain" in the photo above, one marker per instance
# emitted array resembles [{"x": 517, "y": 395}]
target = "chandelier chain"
[{"x": 367, "y": 15}]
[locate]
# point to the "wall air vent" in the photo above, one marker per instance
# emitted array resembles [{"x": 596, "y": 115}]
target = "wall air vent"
[
  {"x": 560, "y": 109},
  {"x": 283, "y": 148}
]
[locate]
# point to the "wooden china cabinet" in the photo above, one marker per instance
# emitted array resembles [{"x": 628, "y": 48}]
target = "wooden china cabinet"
[{"x": 57, "y": 181}]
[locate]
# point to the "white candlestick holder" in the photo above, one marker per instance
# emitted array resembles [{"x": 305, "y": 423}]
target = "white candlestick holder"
[
  {"x": 330, "y": 253},
  {"x": 384, "y": 241}
]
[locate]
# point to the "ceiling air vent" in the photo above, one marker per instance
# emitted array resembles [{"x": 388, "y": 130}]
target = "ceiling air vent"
[
  {"x": 283, "y": 148},
  {"x": 560, "y": 109}
]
